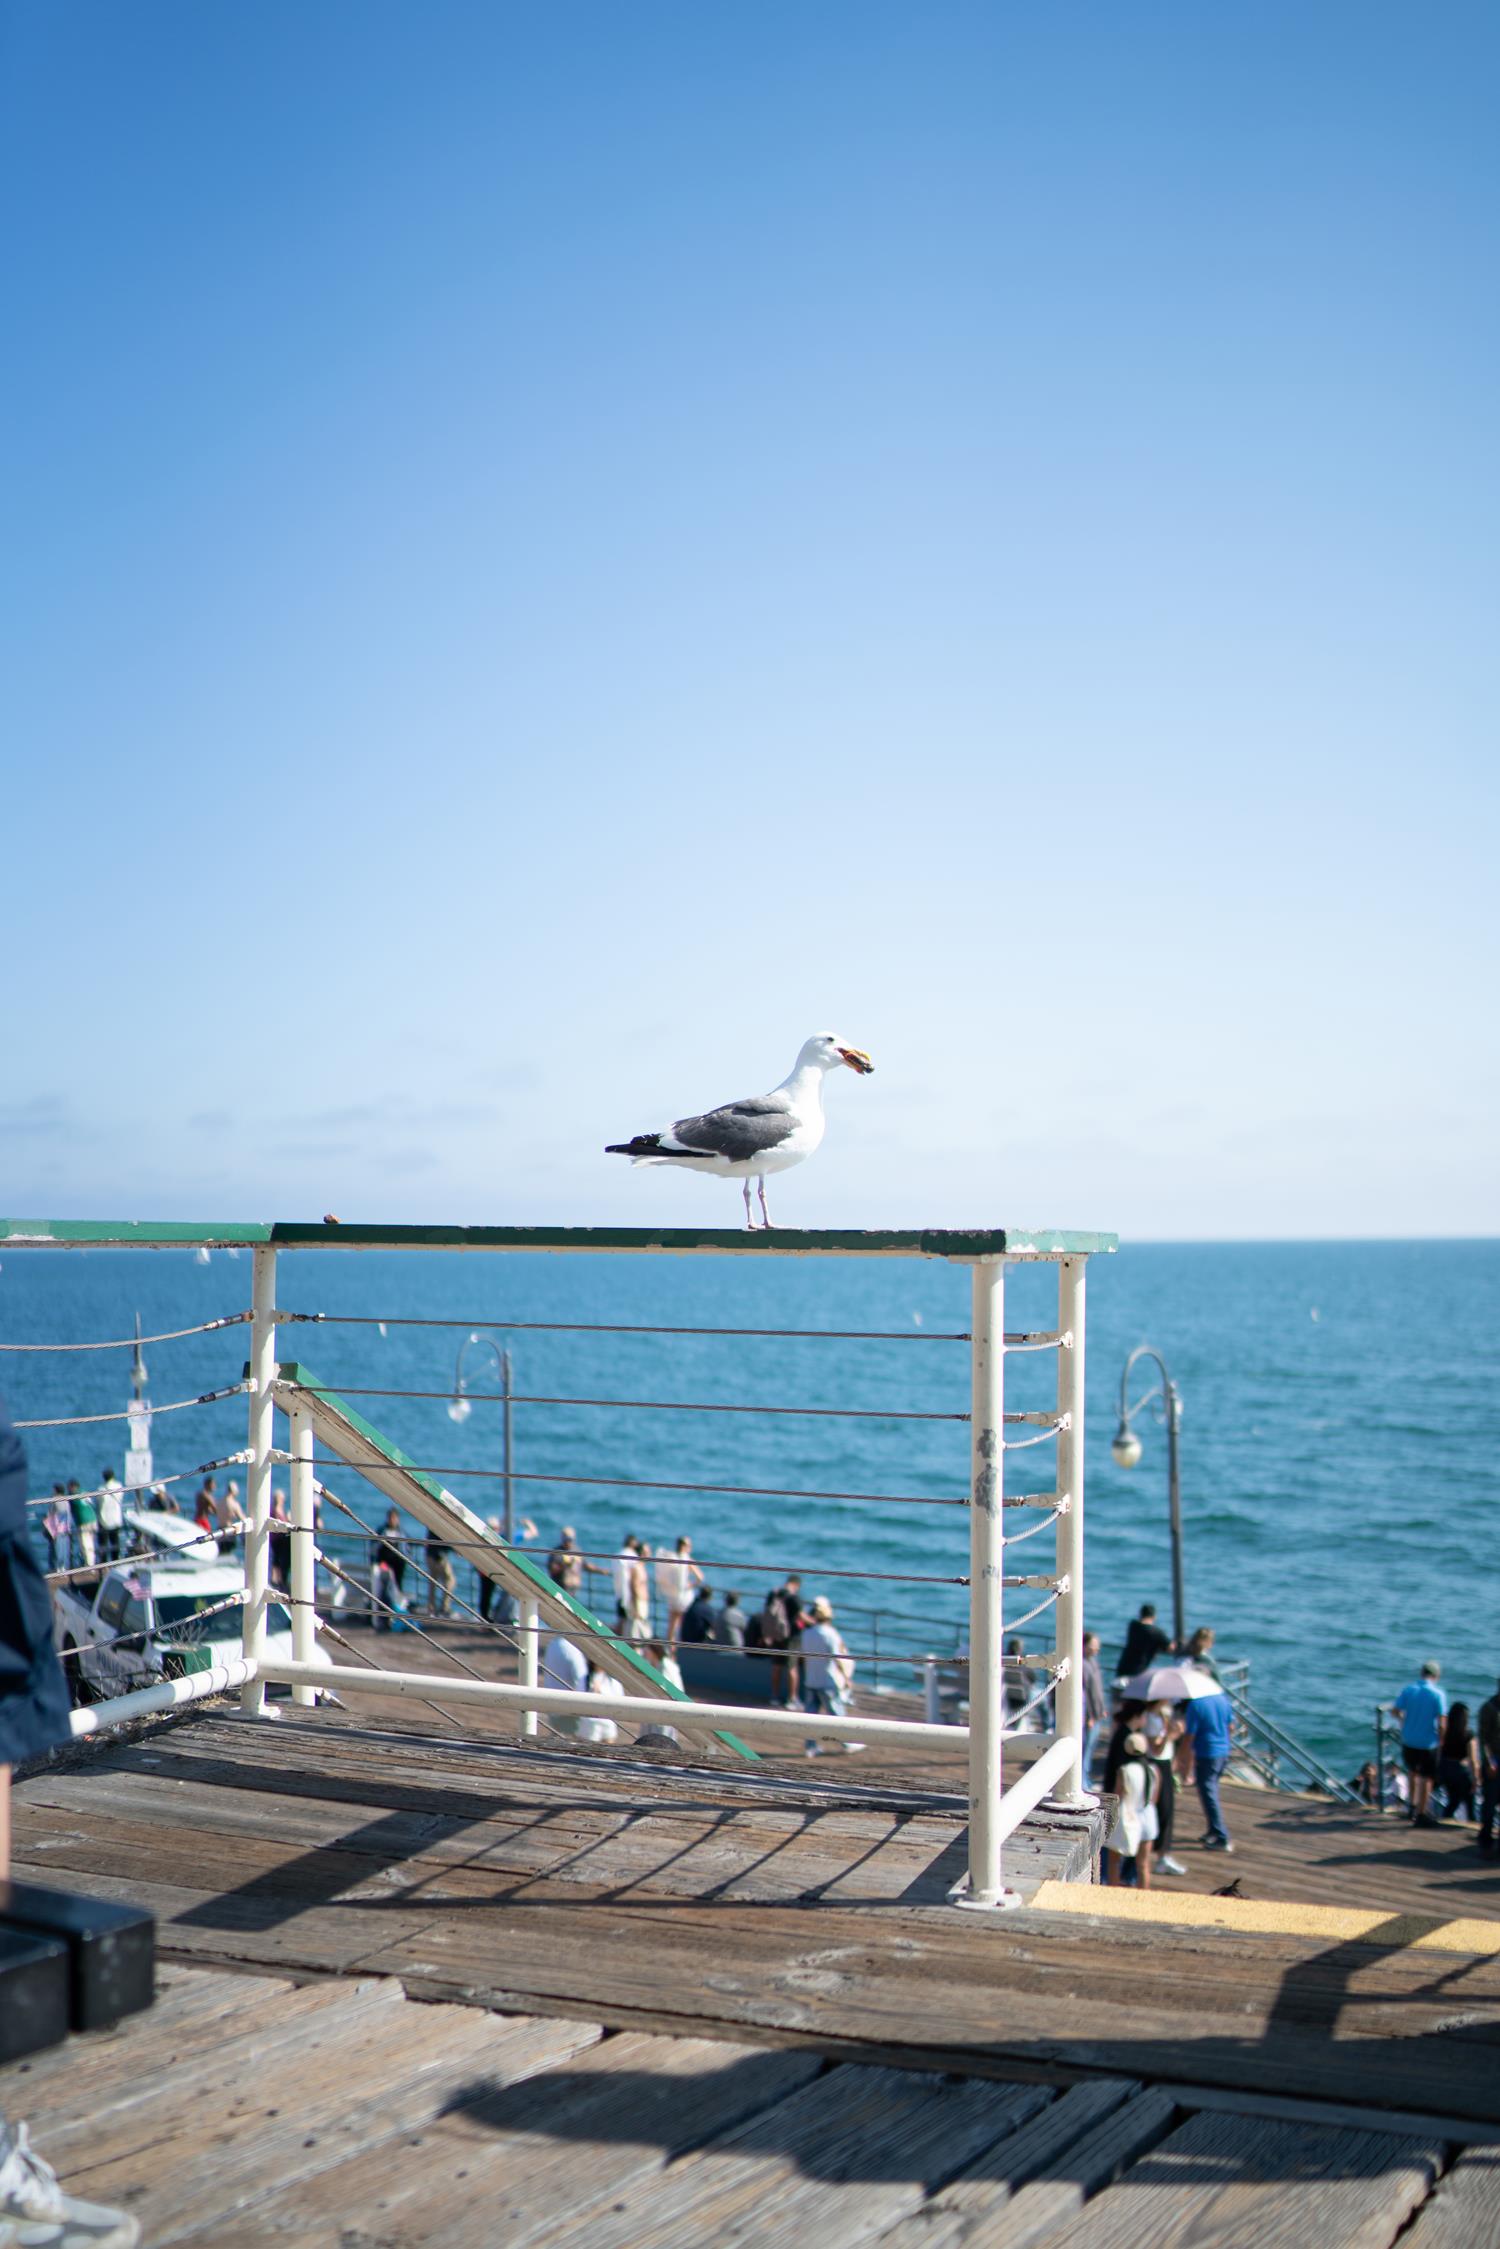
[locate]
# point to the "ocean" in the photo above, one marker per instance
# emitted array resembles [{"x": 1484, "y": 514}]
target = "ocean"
[{"x": 1341, "y": 1427}]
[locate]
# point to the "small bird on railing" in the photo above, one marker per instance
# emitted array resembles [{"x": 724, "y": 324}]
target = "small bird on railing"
[
  {"x": 1230, "y": 1889},
  {"x": 746, "y": 1139}
]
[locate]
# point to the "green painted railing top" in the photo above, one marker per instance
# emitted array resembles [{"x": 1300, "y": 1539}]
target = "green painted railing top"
[
  {"x": 137, "y": 1233},
  {"x": 962, "y": 1243}
]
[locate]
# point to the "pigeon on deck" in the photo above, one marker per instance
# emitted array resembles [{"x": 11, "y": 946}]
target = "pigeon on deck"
[{"x": 746, "y": 1139}]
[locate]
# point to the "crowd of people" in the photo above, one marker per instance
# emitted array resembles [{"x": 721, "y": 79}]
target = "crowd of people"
[
  {"x": 664, "y": 1604},
  {"x": 1449, "y": 1767},
  {"x": 1170, "y": 1724},
  {"x": 1450, "y": 1759}
]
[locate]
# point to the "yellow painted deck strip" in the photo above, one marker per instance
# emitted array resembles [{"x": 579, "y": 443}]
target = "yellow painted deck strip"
[{"x": 1335, "y": 1924}]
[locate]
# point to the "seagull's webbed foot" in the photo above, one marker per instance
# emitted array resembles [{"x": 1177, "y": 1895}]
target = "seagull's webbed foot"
[{"x": 764, "y": 1212}]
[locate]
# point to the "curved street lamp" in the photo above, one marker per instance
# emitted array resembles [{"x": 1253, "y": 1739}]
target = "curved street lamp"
[
  {"x": 1125, "y": 1447},
  {"x": 461, "y": 1405}
]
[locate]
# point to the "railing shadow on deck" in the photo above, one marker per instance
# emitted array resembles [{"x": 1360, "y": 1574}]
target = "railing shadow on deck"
[{"x": 419, "y": 1820}]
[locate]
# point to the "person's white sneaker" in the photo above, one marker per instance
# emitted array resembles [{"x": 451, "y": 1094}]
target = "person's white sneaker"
[
  {"x": 1170, "y": 1866},
  {"x": 36, "y": 2214}
]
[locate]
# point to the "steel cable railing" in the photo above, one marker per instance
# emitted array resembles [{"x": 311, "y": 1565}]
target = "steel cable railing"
[
  {"x": 132, "y": 1492},
  {"x": 333, "y": 1633},
  {"x": 176, "y": 1405},
  {"x": 380, "y": 1538},
  {"x": 618, "y": 1327},
  {"x": 665, "y": 1405},
  {"x": 142, "y": 1633},
  {"x": 781, "y": 1570},
  {"x": 138, "y": 1342},
  {"x": 997, "y": 1425},
  {"x": 370, "y": 1536},
  {"x": 655, "y": 1483}
]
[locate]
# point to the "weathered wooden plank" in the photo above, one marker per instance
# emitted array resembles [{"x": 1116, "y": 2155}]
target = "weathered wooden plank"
[
  {"x": 268, "y": 2118},
  {"x": 1229, "y": 2182},
  {"x": 757, "y": 1851},
  {"x": 750, "y": 1855},
  {"x": 1361, "y": 1964},
  {"x": 1037, "y": 2149},
  {"x": 337, "y": 2020},
  {"x": 1464, "y": 2210},
  {"x": 249, "y": 1866},
  {"x": 834, "y": 2165},
  {"x": 397, "y": 1785},
  {"x": 497, "y": 2165},
  {"x": 1045, "y": 2206},
  {"x": 838, "y": 1982},
  {"x": 83, "y": 2078},
  {"x": 336, "y": 1741},
  {"x": 207, "y": 1928},
  {"x": 1341, "y": 2115}
]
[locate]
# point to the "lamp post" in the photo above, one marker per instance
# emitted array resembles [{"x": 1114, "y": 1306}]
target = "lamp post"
[
  {"x": 1126, "y": 1450},
  {"x": 461, "y": 1405}
]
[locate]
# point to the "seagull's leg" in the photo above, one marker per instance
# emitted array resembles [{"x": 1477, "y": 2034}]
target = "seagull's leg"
[
  {"x": 749, "y": 1215},
  {"x": 761, "y": 1184}
]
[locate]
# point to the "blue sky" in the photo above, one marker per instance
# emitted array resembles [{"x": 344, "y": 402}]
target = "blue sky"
[{"x": 553, "y": 551}]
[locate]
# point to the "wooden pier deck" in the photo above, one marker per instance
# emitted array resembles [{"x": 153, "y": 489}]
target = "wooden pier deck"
[
  {"x": 420, "y": 1990},
  {"x": 252, "y": 2111},
  {"x": 1287, "y": 1846}
]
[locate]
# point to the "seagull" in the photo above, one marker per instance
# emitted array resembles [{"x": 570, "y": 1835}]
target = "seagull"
[{"x": 746, "y": 1139}]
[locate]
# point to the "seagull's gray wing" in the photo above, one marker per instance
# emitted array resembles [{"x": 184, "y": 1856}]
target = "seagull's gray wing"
[{"x": 740, "y": 1131}]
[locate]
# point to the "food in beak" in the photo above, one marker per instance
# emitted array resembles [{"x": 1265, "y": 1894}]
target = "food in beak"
[{"x": 857, "y": 1059}]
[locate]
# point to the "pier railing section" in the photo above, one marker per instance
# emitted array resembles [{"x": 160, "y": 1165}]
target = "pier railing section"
[{"x": 1000, "y": 1520}]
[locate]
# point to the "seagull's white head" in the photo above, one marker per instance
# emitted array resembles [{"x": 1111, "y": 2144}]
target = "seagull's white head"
[{"x": 827, "y": 1053}]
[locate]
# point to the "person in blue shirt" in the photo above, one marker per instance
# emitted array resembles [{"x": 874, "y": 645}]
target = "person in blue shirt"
[
  {"x": 1422, "y": 1707},
  {"x": 1208, "y": 1722}
]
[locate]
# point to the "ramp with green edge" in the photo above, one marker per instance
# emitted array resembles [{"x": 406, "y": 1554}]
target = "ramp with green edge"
[{"x": 384, "y": 1465}]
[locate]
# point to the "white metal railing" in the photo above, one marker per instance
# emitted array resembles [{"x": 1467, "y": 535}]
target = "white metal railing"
[{"x": 314, "y": 1415}]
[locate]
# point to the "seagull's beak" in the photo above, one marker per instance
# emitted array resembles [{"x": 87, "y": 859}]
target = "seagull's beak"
[{"x": 857, "y": 1059}]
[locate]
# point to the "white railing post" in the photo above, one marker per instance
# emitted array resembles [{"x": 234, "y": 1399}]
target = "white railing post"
[
  {"x": 257, "y": 1540},
  {"x": 986, "y": 1582},
  {"x": 932, "y": 1693},
  {"x": 1073, "y": 1788},
  {"x": 304, "y": 1559},
  {"x": 531, "y": 1667}
]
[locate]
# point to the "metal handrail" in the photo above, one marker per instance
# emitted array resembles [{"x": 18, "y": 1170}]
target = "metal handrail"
[
  {"x": 316, "y": 1417},
  {"x": 1278, "y": 1743},
  {"x": 1387, "y": 1732}
]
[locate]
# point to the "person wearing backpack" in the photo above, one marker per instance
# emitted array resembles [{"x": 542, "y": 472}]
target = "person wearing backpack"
[{"x": 780, "y": 1619}]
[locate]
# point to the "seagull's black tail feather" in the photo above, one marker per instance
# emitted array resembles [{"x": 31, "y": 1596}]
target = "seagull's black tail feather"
[{"x": 649, "y": 1144}]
